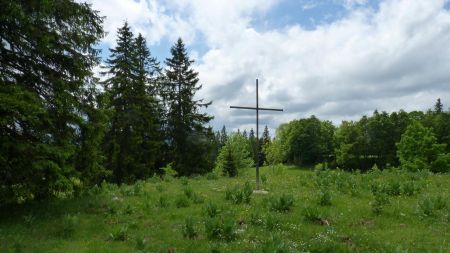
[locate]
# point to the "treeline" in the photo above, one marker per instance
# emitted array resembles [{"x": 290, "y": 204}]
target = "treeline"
[
  {"x": 415, "y": 140},
  {"x": 61, "y": 128}
]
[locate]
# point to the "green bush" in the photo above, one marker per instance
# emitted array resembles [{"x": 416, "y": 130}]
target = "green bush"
[
  {"x": 272, "y": 222},
  {"x": 182, "y": 201},
  {"x": 220, "y": 228},
  {"x": 380, "y": 200},
  {"x": 283, "y": 203},
  {"x": 120, "y": 234},
  {"x": 256, "y": 219},
  {"x": 238, "y": 196},
  {"x": 234, "y": 156},
  {"x": 211, "y": 210},
  {"x": 68, "y": 225},
  {"x": 163, "y": 202},
  {"x": 274, "y": 245},
  {"x": 325, "y": 197},
  {"x": 312, "y": 214},
  {"x": 189, "y": 230}
]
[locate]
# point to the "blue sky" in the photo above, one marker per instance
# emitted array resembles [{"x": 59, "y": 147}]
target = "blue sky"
[{"x": 336, "y": 59}]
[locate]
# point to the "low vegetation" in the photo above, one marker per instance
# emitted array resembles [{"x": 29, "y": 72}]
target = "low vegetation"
[{"x": 305, "y": 211}]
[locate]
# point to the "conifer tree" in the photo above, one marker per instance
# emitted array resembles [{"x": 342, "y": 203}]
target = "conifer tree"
[
  {"x": 223, "y": 136},
  {"x": 46, "y": 54},
  {"x": 188, "y": 138},
  {"x": 134, "y": 138}
]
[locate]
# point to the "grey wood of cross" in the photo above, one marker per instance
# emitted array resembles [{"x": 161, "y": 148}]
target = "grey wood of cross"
[{"x": 257, "y": 109}]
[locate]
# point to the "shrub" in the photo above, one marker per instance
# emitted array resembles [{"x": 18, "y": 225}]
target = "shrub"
[
  {"x": 120, "y": 234},
  {"x": 68, "y": 224},
  {"x": 379, "y": 202},
  {"x": 234, "y": 156},
  {"x": 264, "y": 179},
  {"x": 211, "y": 210},
  {"x": 238, "y": 196},
  {"x": 184, "y": 180},
  {"x": 274, "y": 245},
  {"x": 188, "y": 192},
  {"x": 311, "y": 214},
  {"x": 272, "y": 222},
  {"x": 163, "y": 202},
  {"x": 256, "y": 219},
  {"x": 426, "y": 207},
  {"x": 284, "y": 203},
  {"x": 182, "y": 201},
  {"x": 189, "y": 228},
  {"x": 141, "y": 244},
  {"x": 220, "y": 228},
  {"x": 325, "y": 197}
]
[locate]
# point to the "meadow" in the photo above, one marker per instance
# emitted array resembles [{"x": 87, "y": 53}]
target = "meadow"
[{"x": 304, "y": 210}]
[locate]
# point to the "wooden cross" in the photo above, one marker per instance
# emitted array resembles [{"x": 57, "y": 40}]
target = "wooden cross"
[{"x": 257, "y": 109}]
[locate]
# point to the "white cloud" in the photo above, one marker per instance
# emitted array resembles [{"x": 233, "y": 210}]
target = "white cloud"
[{"x": 394, "y": 57}]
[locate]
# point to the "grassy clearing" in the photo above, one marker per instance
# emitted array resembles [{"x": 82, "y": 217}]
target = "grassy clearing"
[{"x": 315, "y": 211}]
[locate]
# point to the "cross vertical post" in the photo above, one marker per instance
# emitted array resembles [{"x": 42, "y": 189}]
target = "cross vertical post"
[
  {"x": 257, "y": 109},
  {"x": 257, "y": 136}
]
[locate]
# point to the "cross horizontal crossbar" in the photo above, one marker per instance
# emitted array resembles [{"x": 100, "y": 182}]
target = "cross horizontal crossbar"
[{"x": 254, "y": 108}]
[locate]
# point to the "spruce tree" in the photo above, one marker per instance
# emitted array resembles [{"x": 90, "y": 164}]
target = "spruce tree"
[
  {"x": 134, "y": 136},
  {"x": 223, "y": 136},
  {"x": 188, "y": 137},
  {"x": 46, "y": 54},
  {"x": 438, "y": 107}
]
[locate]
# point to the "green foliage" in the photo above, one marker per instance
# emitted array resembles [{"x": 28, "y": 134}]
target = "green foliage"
[
  {"x": 211, "y": 210},
  {"x": 134, "y": 138},
  {"x": 120, "y": 234},
  {"x": 429, "y": 206},
  {"x": 46, "y": 121},
  {"x": 189, "y": 230},
  {"x": 306, "y": 141},
  {"x": 182, "y": 201},
  {"x": 274, "y": 245},
  {"x": 418, "y": 150},
  {"x": 325, "y": 197},
  {"x": 380, "y": 200},
  {"x": 189, "y": 141},
  {"x": 274, "y": 152},
  {"x": 272, "y": 222},
  {"x": 163, "y": 202},
  {"x": 238, "y": 195},
  {"x": 312, "y": 214},
  {"x": 68, "y": 225},
  {"x": 234, "y": 156},
  {"x": 221, "y": 228},
  {"x": 283, "y": 203}
]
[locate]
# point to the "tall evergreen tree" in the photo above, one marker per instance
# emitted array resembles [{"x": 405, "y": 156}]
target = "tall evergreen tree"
[
  {"x": 223, "y": 136},
  {"x": 265, "y": 141},
  {"x": 438, "y": 107},
  {"x": 188, "y": 137},
  {"x": 134, "y": 137},
  {"x": 46, "y": 56}
]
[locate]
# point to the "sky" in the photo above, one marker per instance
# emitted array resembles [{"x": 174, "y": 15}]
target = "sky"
[{"x": 335, "y": 59}]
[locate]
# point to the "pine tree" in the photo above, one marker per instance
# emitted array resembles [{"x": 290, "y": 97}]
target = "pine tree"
[
  {"x": 253, "y": 145},
  {"x": 223, "y": 136},
  {"x": 265, "y": 141},
  {"x": 188, "y": 138},
  {"x": 438, "y": 107},
  {"x": 134, "y": 137},
  {"x": 244, "y": 134},
  {"x": 46, "y": 54}
]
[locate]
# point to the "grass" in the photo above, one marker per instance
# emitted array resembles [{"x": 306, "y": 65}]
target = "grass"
[{"x": 304, "y": 211}]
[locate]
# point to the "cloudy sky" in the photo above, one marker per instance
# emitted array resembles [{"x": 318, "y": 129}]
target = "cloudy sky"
[{"x": 336, "y": 59}]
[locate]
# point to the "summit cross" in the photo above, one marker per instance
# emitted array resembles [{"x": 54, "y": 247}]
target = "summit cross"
[{"x": 257, "y": 109}]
